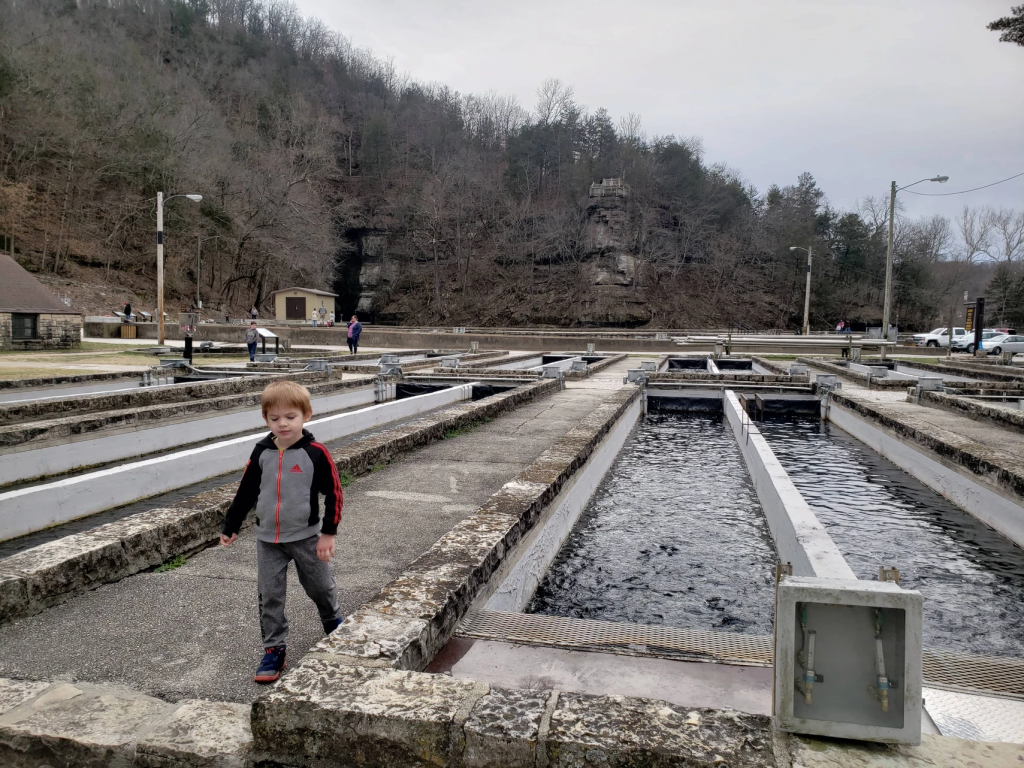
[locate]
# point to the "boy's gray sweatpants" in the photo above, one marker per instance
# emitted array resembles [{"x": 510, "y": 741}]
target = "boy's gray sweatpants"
[{"x": 314, "y": 574}]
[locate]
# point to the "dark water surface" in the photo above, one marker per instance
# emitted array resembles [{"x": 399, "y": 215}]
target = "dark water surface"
[
  {"x": 674, "y": 535},
  {"x": 972, "y": 578}
]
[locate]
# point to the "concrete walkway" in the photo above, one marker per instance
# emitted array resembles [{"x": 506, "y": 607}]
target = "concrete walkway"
[
  {"x": 1005, "y": 447},
  {"x": 193, "y": 632}
]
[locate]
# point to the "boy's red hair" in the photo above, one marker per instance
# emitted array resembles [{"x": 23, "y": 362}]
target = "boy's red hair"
[{"x": 286, "y": 393}]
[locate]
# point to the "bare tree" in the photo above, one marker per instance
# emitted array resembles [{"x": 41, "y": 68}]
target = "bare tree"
[{"x": 1008, "y": 233}]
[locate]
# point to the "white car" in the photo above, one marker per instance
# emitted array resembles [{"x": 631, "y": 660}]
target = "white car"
[
  {"x": 965, "y": 343},
  {"x": 938, "y": 337},
  {"x": 1005, "y": 343}
]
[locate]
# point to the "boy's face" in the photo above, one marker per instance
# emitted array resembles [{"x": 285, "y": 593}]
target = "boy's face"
[{"x": 286, "y": 421}]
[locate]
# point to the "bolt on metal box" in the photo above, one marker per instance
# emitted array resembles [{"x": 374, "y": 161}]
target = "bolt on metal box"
[{"x": 848, "y": 659}]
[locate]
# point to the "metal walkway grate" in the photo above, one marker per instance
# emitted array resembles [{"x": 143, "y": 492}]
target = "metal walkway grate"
[
  {"x": 613, "y": 637},
  {"x": 942, "y": 669}
]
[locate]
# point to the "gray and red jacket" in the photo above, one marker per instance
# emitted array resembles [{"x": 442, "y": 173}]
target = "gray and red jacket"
[{"x": 285, "y": 488}]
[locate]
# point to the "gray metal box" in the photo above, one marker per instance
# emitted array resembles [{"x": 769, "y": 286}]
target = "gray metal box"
[{"x": 831, "y": 628}]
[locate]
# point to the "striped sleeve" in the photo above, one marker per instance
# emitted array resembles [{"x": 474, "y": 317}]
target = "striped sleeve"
[{"x": 328, "y": 483}]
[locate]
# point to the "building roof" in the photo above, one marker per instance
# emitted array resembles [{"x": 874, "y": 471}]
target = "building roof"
[
  {"x": 305, "y": 290},
  {"x": 21, "y": 292}
]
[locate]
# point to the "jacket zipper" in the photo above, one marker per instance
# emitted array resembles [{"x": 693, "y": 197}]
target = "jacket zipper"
[{"x": 277, "y": 512}]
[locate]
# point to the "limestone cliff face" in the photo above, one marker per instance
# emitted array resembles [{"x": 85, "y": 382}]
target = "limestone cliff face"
[{"x": 607, "y": 233}]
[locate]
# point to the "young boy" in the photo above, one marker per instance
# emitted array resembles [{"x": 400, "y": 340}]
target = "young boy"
[{"x": 283, "y": 480}]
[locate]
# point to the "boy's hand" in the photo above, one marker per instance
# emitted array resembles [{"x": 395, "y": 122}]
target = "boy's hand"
[
  {"x": 325, "y": 547},
  {"x": 227, "y": 541}
]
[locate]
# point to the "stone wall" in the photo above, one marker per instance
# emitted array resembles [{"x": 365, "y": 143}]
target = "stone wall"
[{"x": 53, "y": 332}]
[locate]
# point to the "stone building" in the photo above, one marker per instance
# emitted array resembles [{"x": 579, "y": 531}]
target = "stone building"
[{"x": 30, "y": 316}]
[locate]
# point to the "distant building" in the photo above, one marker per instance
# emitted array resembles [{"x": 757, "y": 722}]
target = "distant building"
[
  {"x": 30, "y": 316},
  {"x": 293, "y": 305},
  {"x": 609, "y": 188}
]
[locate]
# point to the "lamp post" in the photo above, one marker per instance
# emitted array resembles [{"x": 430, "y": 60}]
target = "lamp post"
[
  {"x": 160, "y": 258},
  {"x": 199, "y": 264},
  {"x": 807, "y": 293},
  {"x": 887, "y": 305}
]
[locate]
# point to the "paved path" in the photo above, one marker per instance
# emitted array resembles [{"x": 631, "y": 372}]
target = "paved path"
[{"x": 193, "y": 632}]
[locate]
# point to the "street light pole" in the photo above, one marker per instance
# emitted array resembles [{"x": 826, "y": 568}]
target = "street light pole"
[
  {"x": 807, "y": 293},
  {"x": 160, "y": 259},
  {"x": 887, "y": 303}
]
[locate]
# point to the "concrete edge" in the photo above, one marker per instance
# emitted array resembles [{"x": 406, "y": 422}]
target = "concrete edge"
[
  {"x": 93, "y": 725},
  {"x": 986, "y": 469},
  {"x": 50, "y": 573},
  {"x": 973, "y": 409},
  {"x": 799, "y": 536}
]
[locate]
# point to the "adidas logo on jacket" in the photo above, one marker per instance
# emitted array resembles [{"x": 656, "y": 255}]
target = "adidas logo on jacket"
[{"x": 285, "y": 488}]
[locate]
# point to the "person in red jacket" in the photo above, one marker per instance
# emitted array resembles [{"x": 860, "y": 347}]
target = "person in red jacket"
[{"x": 286, "y": 474}]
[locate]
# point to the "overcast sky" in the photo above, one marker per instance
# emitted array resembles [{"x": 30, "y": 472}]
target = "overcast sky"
[{"x": 857, "y": 92}]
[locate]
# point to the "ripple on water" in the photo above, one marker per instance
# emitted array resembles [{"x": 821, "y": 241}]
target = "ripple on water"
[
  {"x": 674, "y": 535},
  {"x": 972, "y": 579}
]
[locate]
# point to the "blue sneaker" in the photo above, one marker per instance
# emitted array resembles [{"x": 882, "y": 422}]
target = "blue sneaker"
[
  {"x": 330, "y": 626},
  {"x": 271, "y": 666}
]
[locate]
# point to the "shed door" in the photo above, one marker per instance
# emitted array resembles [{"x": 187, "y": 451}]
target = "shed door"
[{"x": 294, "y": 307}]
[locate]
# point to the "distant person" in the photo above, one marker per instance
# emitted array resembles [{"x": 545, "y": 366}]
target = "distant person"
[
  {"x": 355, "y": 330},
  {"x": 286, "y": 474},
  {"x": 251, "y": 337},
  {"x": 840, "y": 327},
  {"x": 314, "y": 317},
  {"x": 127, "y": 312},
  {"x": 330, "y": 320},
  {"x": 227, "y": 318},
  {"x": 848, "y": 328},
  {"x": 253, "y": 313}
]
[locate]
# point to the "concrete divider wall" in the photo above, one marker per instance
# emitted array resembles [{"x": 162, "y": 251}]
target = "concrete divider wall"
[
  {"x": 30, "y": 509},
  {"x": 971, "y": 496},
  {"x": 56, "y": 459},
  {"x": 975, "y": 409},
  {"x": 514, "y": 583},
  {"x": 139, "y": 397},
  {"x": 799, "y": 536}
]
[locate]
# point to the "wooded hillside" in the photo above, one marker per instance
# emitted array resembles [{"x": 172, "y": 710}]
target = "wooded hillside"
[{"x": 320, "y": 165}]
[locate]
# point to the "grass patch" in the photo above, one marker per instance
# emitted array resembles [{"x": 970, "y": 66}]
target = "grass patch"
[
  {"x": 377, "y": 467},
  {"x": 346, "y": 479},
  {"x": 464, "y": 429},
  {"x": 170, "y": 565}
]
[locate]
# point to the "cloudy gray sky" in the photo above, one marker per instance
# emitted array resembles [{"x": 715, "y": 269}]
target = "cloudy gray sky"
[{"x": 858, "y": 92}]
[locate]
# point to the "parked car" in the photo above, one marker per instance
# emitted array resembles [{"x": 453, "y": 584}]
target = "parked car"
[
  {"x": 965, "y": 343},
  {"x": 1006, "y": 343},
  {"x": 937, "y": 338}
]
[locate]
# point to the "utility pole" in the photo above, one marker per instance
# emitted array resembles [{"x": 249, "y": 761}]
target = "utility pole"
[
  {"x": 807, "y": 298},
  {"x": 807, "y": 293},
  {"x": 160, "y": 268},
  {"x": 887, "y": 303}
]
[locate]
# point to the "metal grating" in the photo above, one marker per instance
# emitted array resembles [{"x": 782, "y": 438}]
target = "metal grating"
[
  {"x": 942, "y": 669},
  {"x": 614, "y": 637}
]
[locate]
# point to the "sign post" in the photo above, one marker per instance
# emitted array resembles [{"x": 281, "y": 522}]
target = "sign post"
[{"x": 975, "y": 320}]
